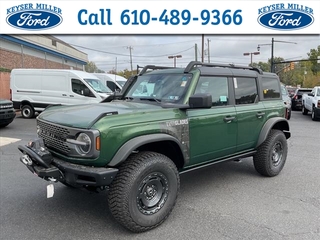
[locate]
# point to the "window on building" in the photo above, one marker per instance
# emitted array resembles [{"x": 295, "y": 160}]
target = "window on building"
[{"x": 54, "y": 42}]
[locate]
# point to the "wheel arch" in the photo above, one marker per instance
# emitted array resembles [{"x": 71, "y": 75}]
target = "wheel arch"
[
  {"x": 274, "y": 123},
  {"x": 26, "y": 102},
  {"x": 160, "y": 143}
]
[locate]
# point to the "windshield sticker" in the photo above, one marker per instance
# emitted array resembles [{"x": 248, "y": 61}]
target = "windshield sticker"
[{"x": 223, "y": 99}]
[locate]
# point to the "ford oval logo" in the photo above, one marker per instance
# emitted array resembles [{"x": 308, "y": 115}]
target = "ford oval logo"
[
  {"x": 34, "y": 20},
  {"x": 285, "y": 20}
]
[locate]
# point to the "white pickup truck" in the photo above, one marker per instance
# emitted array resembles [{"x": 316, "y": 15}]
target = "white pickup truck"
[{"x": 311, "y": 103}]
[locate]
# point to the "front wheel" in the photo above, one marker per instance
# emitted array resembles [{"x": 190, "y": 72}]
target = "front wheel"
[
  {"x": 144, "y": 191},
  {"x": 313, "y": 115},
  {"x": 27, "y": 111},
  {"x": 304, "y": 110},
  {"x": 271, "y": 155}
]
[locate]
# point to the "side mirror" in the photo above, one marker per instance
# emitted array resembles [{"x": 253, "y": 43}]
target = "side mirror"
[
  {"x": 86, "y": 92},
  {"x": 200, "y": 100}
]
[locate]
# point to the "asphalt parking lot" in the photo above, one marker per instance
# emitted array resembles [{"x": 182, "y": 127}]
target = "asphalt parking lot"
[{"x": 226, "y": 201}]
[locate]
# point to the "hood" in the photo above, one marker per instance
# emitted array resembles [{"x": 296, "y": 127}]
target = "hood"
[
  {"x": 83, "y": 116},
  {"x": 5, "y": 101}
]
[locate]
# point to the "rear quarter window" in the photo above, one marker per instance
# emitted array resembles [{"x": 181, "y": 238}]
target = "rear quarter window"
[{"x": 270, "y": 88}]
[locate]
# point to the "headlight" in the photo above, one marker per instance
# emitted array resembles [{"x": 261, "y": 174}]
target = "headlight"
[{"x": 84, "y": 144}]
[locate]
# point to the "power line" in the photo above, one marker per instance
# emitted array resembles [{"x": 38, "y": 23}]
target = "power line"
[{"x": 126, "y": 55}]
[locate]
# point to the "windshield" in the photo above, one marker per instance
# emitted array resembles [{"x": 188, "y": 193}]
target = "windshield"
[
  {"x": 318, "y": 94},
  {"x": 160, "y": 87},
  {"x": 97, "y": 85},
  {"x": 121, "y": 82}
]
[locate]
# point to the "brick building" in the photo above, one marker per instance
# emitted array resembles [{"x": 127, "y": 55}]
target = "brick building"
[{"x": 36, "y": 51}]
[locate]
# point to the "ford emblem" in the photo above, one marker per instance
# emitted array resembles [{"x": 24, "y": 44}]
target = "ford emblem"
[
  {"x": 285, "y": 20},
  {"x": 34, "y": 20}
]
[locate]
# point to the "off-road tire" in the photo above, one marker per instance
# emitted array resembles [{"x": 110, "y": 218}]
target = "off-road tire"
[
  {"x": 144, "y": 192},
  {"x": 304, "y": 110},
  {"x": 271, "y": 155},
  {"x": 27, "y": 111}
]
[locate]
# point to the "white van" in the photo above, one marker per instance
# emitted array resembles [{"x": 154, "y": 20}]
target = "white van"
[
  {"x": 32, "y": 90},
  {"x": 112, "y": 81}
]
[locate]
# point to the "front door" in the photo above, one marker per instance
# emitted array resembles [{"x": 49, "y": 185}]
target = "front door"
[{"x": 213, "y": 132}]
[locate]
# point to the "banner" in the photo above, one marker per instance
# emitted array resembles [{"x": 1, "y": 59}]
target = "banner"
[{"x": 160, "y": 17}]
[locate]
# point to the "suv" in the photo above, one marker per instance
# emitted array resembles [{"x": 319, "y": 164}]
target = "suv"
[
  {"x": 286, "y": 100},
  {"x": 297, "y": 98},
  {"x": 166, "y": 121},
  {"x": 7, "y": 113}
]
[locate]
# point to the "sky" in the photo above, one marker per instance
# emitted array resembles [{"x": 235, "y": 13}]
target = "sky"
[{"x": 112, "y": 52}]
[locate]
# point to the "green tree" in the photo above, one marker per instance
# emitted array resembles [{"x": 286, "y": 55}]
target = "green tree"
[
  {"x": 262, "y": 65},
  {"x": 314, "y": 54},
  {"x": 92, "y": 68}
]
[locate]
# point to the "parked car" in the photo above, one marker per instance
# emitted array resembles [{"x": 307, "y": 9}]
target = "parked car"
[
  {"x": 137, "y": 143},
  {"x": 297, "y": 98},
  {"x": 35, "y": 89},
  {"x": 7, "y": 113},
  {"x": 286, "y": 100},
  {"x": 291, "y": 90},
  {"x": 112, "y": 81},
  {"x": 311, "y": 103}
]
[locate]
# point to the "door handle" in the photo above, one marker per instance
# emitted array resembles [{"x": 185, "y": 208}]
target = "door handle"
[
  {"x": 71, "y": 95},
  {"x": 64, "y": 95},
  {"x": 260, "y": 114},
  {"x": 228, "y": 119}
]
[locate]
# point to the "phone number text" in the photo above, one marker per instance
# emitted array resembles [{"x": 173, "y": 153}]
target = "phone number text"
[{"x": 167, "y": 17}]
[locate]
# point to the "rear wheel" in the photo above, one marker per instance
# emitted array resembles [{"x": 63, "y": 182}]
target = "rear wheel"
[
  {"x": 144, "y": 191},
  {"x": 271, "y": 154},
  {"x": 27, "y": 111}
]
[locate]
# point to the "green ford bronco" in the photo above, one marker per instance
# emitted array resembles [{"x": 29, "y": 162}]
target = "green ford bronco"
[{"x": 166, "y": 121}]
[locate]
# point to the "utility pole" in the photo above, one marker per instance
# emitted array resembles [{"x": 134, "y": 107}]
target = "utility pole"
[
  {"x": 272, "y": 63},
  {"x": 202, "y": 50},
  {"x": 208, "y": 50},
  {"x": 130, "y": 48},
  {"x": 116, "y": 65},
  {"x": 196, "y": 52}
]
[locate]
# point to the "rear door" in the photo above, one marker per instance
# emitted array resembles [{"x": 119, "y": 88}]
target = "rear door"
[{"x": 250, "y": 112}]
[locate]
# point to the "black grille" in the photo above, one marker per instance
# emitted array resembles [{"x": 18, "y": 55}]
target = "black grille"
[{"x": 54, "y": 136}]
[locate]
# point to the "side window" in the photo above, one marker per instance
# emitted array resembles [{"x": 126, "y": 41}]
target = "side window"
[
  {"x": 78, "y": 87},
  {"x": 245, "y": 90},
  {"x": 111, "y": 85},
  {"x": 217, "y": 87},
  {"x": 271, "y": 88}
]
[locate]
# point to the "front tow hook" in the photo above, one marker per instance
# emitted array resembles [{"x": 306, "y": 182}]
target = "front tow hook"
[{"x": 25, "y": 159}]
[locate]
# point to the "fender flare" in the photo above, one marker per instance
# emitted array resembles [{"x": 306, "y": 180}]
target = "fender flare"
[
  {"x": 126, "y": 149},
  {"x": 283, "y": 126}
]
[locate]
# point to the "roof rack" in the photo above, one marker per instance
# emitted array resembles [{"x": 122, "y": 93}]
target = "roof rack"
[
  {"x": 196, "y": 63},
  {"x": 153, "y": 67}
]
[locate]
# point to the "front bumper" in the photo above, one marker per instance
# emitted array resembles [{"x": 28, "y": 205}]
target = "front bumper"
[
  {"x": 41, "y": 163},
  {"x": 7, "y": 116}
]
